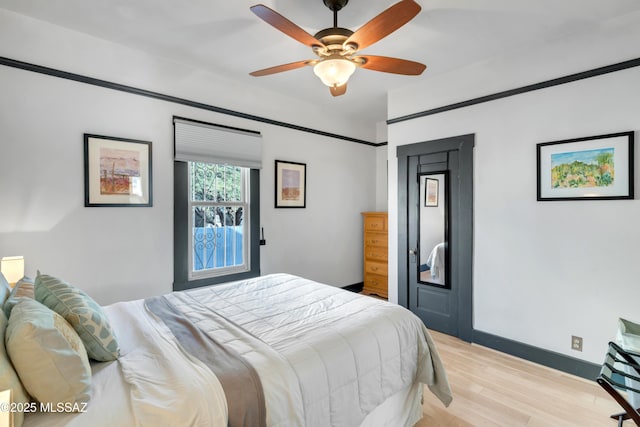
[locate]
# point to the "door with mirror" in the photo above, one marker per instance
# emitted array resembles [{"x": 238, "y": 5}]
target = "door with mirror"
[{"x": 435, "y": 206}]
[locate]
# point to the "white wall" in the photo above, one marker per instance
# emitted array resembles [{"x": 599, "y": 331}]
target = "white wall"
[
  {"x": 381, "y": 179},
  {"x": 543, "y": 271},
  {"x": 127, "y": 253},
  {"x": 324, "y": 241},
  {"x": 381, "y": 167}
]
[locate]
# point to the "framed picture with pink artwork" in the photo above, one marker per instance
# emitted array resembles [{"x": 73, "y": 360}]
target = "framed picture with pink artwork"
[
  {"x": 290, "y": 185},
  {"x": 117, "y": 172}
]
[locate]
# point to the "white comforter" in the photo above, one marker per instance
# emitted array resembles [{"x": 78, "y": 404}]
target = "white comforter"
[
  {"x": 153, "y": 383},
  {"x": 325, "y": 357}
]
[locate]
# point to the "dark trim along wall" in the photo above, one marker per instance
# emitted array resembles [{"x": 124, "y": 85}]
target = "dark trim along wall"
[
  {"x": 542, "y": 85},
  {"x": 538, "y": 355},
  {"x": 168, "y": 98},
  {"x": 356, "y": 287}
]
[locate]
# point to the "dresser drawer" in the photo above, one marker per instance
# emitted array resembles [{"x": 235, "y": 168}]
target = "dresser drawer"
[
  {"x": 375, "y": 284},
  {"x": 375, "y": 223},
  {"x": 376, "y": 239},
  {"x": 375, "y": 268},
  {"x": 376, "y": 253}
]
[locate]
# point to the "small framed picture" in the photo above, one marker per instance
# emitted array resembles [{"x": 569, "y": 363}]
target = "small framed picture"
[
  {"x": 117, "y": 172},
  {"x": 590, "y": 168},
  {"x": 291, "y": 184},
  {"x": 431, "y": 192}
]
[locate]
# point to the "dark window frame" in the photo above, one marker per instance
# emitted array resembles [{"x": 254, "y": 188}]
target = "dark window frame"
[{"x": 181, "y": 232}]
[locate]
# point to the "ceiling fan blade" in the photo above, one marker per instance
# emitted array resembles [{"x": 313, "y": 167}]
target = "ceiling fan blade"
[
  {"x": 392, "y": 65},
  {"x": 384, "y": 24},
  {"x": 283, "y": 24},
  {"x": 279, "y": 68},
  {"x": 338, "y": 90}
]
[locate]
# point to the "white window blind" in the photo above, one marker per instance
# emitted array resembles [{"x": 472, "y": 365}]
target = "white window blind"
[{"x": 204, "y": 142}]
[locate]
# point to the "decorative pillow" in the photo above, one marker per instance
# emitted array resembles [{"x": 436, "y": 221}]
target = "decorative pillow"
[
  {"x": 48, "y": 355},
  {"x": 82, "y": 312},
  {"x": 24, "y": 288},
  {"x": 8, "y": 376},
  {"x": 5, "y": 289}
]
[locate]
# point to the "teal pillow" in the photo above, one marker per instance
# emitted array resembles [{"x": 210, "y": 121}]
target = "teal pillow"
[
  {"x": 82, "y": 312},
  {"x": 9, "y": 378},
  {"x": 47, "y": 354},
  {"x": 24, "y": 288}
]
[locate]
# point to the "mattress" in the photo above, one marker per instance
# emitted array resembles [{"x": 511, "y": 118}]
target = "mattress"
[{"x": 324, "y": 357}]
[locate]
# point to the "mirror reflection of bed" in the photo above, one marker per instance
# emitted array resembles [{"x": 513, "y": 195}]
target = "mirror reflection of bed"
[
  {"x": 433, "y": 270},
  {"x": 433, "y": 227}
]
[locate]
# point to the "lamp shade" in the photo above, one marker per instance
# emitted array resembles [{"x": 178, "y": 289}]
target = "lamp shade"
[
  {"x": 334, "y": 72},
  {"x": 12, "y": 268},
  {"x": 6, "y": 416}
]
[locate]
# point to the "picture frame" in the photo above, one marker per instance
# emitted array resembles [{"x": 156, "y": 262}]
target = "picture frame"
[
  {"x": 117, "y": 172},
  {"x": 589, "y": 168},
  {"x": 431, "y": 188},
  {"x": 290, "y": 184}
]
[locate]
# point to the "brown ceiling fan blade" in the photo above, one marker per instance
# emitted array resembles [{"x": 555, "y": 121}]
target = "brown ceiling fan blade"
[
  {"x": 281, "y": 23},
  {"x": 338, "y": 90},
  {"x": 392, "y": 65},
  {"x": 279, "y": 68},
  {"x": 384, "y": 24}
]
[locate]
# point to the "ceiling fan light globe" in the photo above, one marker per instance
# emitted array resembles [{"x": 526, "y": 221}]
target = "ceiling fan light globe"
[{"x": 334, "y": 72}]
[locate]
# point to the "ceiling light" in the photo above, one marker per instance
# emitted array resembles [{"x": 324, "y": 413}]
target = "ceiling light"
[{"x": 334, "y": 71}]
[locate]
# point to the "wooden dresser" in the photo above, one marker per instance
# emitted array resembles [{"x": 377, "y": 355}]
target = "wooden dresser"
[{"x": 376, "y": 253}]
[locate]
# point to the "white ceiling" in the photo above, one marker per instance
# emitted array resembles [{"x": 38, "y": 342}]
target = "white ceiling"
[{"x": 227, "y": 39}]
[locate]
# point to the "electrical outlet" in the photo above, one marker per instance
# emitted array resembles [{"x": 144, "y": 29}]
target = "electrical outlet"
[{"x": 576, "y": 343}]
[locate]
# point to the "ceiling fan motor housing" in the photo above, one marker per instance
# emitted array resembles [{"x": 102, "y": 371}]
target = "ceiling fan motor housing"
[
  {"x": 333, "y": 37},
  {"x": 335, "y": 4}
]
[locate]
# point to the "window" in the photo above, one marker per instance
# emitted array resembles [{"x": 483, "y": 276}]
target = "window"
[{"x": 216, "y": 204}]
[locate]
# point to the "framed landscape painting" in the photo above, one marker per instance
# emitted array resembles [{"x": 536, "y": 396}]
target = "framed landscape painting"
[
  {"x": 291, "y": 185},
  {"x": 117, "y": 172},
  {"x": 595, "y": 167}
]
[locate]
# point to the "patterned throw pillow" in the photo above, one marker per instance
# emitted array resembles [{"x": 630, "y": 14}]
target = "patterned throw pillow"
[
  {"x": 48, "y": 354},
  {"x": 82, "y": 312}
]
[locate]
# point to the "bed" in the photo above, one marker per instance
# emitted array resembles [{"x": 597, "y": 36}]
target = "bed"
[
  {"x": 434, "y": 270},
  {"x": 277, "y": 350}
]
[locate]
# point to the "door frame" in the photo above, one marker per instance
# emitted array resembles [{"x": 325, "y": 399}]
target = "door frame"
[{"x": 464, "y": 145}]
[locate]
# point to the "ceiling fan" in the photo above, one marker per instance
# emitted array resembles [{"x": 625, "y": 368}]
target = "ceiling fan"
[{"x": 336, "y": 47}]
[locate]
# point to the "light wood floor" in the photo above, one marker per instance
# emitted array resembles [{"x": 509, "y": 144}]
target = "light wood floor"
[{"x": 494, "y": 389}]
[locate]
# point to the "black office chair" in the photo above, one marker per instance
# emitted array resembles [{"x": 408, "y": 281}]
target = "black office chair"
[{"x": 612, "y": 378}]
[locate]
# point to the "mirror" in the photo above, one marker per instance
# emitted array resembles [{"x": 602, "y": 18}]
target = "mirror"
[{"x": 433, "y": 233}]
